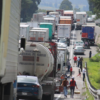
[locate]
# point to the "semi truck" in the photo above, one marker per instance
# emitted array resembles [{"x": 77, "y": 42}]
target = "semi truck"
[
  {"x": 81, "y": 18},
  {"x": 56, "y": 14},
  {"x": 62, "y": 57},
  {"x": 61, "y": 12},
  {"x": 51, "y": 20},
  {"x": 88, "y": 34},
  {"x": 64, "y": 31},
  {"x": 9, "y": 37},
  {"x": 67, "y": 20},
  {"x": 24, "y": 31},
  {"x": 69, "y": 13},
  {"x": 49, "y": 26},
  {"x": 40, "y": 61}
]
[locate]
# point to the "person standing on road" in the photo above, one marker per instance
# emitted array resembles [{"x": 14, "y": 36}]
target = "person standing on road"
[
  {"x": 78, "y": 61},
  {"x": 90, "y": 53},
  {"x": 68, "y": 64},
  {"x": 72, "y": 86},
  {"x": 81, "y": 61},
  {"x": 71, "y": 71},
  {"x": 83, "y": 71},
  {"x": 75, "y": 59},
  {"x": 64, "y": 84}
]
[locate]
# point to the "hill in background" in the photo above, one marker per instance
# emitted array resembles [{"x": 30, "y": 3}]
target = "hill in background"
[{"x": 54, "y": 4}]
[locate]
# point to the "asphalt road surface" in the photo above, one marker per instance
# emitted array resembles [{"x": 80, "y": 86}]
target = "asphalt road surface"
[{"x": 75, "y": 35}]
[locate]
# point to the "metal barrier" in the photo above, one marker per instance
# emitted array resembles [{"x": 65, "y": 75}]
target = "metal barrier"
[{"x": 93, "y": 91}]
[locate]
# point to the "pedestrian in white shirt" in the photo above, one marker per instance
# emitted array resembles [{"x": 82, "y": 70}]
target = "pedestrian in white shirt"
[{"x": 84, "y": 71}]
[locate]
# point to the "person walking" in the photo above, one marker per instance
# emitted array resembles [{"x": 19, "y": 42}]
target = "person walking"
[
  {"x": 71, "y": 69},
  {"x": 64, "y": 84},
  {"x": 83, "y": 71},
  {"x": 79, "y": 72},
  {"x": 68, "y": 64},
  {"x": 78, "y": 61},
  {"x": 75, "y": 59},
  {"x": 90, "y": 53},
  {"x": 72, "y": 86}
]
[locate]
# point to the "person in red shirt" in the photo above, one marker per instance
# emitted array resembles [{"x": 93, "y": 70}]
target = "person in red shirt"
[
  {"x": 71, "y": 69},
  {"x": 75, "y": 59},
  {"x": 72, "y": 86}
]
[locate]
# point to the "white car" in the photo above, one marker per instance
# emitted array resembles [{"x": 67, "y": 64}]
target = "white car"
[
  {"x": 28, "y": 87},
  {"x": 78, "y": 43},
  {"x": 79, "y": 50}
]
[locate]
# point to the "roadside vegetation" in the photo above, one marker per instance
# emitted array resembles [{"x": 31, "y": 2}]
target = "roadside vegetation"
[
  {"x": 86, "y": 94},
  {"x": 93, "y": 66}
]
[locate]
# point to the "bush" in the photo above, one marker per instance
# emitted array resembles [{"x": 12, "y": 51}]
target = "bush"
[{"x": 95, "y": 58}]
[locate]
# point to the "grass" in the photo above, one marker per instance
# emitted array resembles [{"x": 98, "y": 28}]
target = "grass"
[{"x": 93, "y": 72}]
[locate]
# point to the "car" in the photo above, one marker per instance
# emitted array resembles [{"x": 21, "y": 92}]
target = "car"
[
  {"x": 61, "y": 45},
  {"x": 63, "y": 40},
  {"x": 79, "y": 50},
  {"x": 78, "y": 43},
  {"x": 28, "y": 87}
]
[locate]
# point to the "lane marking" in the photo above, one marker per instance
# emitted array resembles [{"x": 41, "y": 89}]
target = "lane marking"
[{"x": 58, "y": 97}]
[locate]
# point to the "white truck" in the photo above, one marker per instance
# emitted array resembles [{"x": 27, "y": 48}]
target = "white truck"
[
  {"x": 38, "y": 60},
  {"x": 51, "y": 20},
  {"x": 24, "y": 31},
  {"x": 9, "y": 30},
  {"x": 64, "y": 30},
  {"x": 56, "y": 14},
  {"x": 81, "y": 18},
  {"x": 40, "y": 35},
  {"x": 62, "y": 57}
]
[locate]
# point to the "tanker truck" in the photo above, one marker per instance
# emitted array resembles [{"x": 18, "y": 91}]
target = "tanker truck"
[
  {"x": 9, "y": 36},
  {"x": 38, "y": 60}
]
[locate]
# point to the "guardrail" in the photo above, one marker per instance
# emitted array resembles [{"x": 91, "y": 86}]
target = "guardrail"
[{"x": 93, "y": 91}]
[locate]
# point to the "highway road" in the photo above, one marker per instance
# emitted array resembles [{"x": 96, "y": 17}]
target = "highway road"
[{"x": 75, "y": 35}]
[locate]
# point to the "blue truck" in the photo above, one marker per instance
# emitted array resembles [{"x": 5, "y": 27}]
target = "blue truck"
[{"x": 88, "y": 34}]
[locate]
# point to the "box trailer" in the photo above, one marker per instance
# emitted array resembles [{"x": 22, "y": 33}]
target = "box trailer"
[
  {"x": 38, "y": 35},
  {"x": 24, "y": 31},
  {"x": 81, "y": 18},
  {"x": 48, "y": 25},
  {"x": 88, "y": 33},
  {"x": 64, "y": 30},
  {"x": 9, "y": 37},
  {"x": 51, "y": 20}
]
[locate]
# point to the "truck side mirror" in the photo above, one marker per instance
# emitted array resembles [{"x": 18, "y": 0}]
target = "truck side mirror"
[
  {"x": 23, "y": 41},
  {"x": 59, "y": 67}
]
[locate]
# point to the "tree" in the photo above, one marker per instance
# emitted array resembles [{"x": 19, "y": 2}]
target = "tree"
[
  {"x": 28, "y": 7},
  {"x": 94, "y": 5},
  {"x": 66, "y": 5}
]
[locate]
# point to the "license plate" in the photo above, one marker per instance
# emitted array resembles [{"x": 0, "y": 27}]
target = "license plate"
[{"x": 24, "y": 93}]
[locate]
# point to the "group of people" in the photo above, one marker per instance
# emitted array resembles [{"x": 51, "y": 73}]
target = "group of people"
[{"x": 70, "y": 85}]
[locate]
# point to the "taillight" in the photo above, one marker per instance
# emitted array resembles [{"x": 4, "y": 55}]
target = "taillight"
[{"x": 36, "y": 86}]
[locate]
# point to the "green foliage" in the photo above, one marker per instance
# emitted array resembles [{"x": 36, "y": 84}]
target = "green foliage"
[
  {"x": 28, "y": 7},
  {"x": 94, "y": 6},
  {"x": 89, "y": 13},
  {"x": 93, "y": 72},
  {"x": 66, "y": 5}
]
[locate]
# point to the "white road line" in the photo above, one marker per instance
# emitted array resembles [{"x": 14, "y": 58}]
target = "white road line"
[{"x": 58, "y": 97}]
